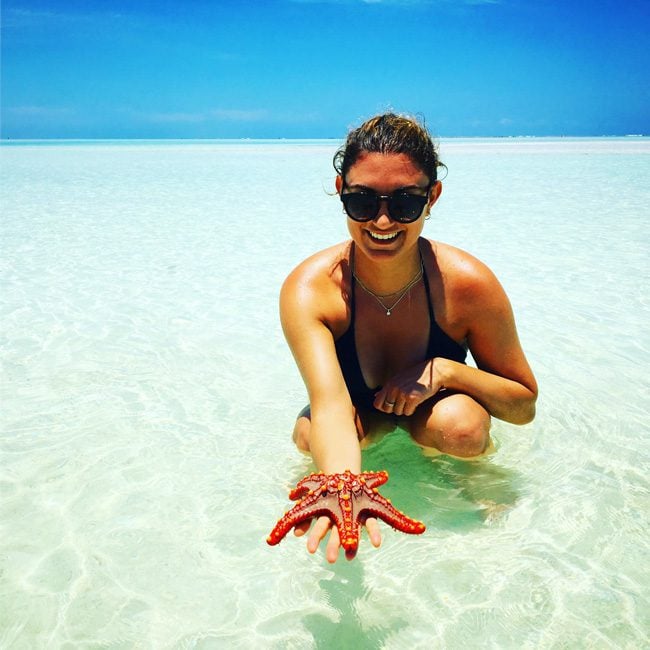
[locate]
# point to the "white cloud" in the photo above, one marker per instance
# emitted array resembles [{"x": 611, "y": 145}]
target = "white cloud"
[
  {"x": 217, "y": 114},
  {"x": 238, "y": 115},
  {"x": 19, "y": 17},
  {"x": 226, "y": 115},
  {"x": 170, "y": 117},
  {"x": 188, "y": 118},
  {"x": 40, "y": 111}
]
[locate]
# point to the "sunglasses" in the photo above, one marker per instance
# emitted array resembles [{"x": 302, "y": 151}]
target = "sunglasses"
[{"x": 402, "y": 206}]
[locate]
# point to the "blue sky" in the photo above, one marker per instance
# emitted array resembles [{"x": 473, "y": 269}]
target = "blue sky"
[{"x": 313, "y": 68}]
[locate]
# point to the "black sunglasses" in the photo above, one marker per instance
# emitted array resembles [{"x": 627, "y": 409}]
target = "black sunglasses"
[{"x": 402, "y": 206}]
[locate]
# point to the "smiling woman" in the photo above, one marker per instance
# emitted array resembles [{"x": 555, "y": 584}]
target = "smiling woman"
[{"x": 380, "y": 325}]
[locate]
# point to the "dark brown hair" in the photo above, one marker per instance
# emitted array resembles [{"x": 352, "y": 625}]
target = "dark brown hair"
[{"x": 390, "y": 133}]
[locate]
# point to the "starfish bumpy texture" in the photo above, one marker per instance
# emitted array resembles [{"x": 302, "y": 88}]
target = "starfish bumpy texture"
[{"x": 348, "y": 500}]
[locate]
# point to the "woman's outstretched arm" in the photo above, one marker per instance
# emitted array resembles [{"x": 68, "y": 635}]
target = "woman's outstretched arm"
[{"x": 332, "y": 438}]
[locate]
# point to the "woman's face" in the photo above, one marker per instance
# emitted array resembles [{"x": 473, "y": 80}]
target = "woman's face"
[{"x": 384, "y": 174}]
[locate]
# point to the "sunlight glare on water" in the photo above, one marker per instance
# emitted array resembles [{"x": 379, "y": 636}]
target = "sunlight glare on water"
[{"x": 148, "y": 398}]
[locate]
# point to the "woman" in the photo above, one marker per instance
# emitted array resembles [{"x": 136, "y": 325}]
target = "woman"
[{"x": 380, "y": 325}]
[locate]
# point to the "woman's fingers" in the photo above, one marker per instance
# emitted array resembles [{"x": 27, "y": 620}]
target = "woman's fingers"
[
  {"x": 372, "y": 526},
  {"x": 410, "y": 405},
  {"x": 380, "y": 397},
  {"x": 399, "y": 406},
  {"x": 317, "y": 533},
  {"x": 333, "y": 545},
  {"x": 386, "y": 400},
  {"x": 300, "y": 529},
  {"x": 399, "y": 402},
  {"x": 323, "y": 525},
  {"x": 404, "y": 392},
  {"x": 394, "y": 401}
]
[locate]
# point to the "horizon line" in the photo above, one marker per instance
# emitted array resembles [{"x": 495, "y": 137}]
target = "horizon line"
[{"x": 250, "y": 139}]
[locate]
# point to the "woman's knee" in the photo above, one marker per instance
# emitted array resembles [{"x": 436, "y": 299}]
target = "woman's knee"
[
  {"x": 368, "y": 424},
  {"x": 301, "y": 431},
  {"x": 456, "y": 425}
]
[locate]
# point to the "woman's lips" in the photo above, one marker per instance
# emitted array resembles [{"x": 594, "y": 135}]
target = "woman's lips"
[{"x": 383, "y": 238}]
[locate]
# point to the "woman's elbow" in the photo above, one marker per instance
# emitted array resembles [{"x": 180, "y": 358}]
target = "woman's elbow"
[{"x": 525, "y": 411}]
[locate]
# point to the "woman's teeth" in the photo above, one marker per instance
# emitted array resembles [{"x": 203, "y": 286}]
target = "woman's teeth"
[{"x": 383, "y": 237}]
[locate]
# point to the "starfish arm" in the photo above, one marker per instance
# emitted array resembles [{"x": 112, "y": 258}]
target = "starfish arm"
[
  {"x": 313, "y": 505},
  {"x": 350, "y": 525},
  {"x": 306, "y": 485},
  {"x": 378, "y": 505},
  {"x": 373, "y": 479},
  {"x": 393, "y": 517},
  {"x": 296, "y": 516}
]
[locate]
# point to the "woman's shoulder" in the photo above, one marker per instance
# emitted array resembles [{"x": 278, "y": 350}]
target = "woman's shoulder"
[
  {"x": 323, "y": 267},
  {"x": 316, "y": 283},
  {"x": 462, "y": 274}
]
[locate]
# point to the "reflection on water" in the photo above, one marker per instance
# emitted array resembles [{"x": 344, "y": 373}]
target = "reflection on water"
[
  {"x": 446, "y": 493},
  {"x": 345, "y": 593}
]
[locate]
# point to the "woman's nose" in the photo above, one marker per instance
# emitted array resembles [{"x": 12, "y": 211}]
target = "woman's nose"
[{"x": 383, "y": 216}]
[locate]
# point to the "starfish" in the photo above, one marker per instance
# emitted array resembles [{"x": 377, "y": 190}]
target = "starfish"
[{"x": 347, "y": 499}]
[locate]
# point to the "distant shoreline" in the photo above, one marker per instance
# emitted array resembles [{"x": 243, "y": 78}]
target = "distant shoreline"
[{"x": 316, "y": 141}]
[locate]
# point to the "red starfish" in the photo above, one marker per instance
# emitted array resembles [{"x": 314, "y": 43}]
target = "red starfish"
[{"x": 347, "y": 499}]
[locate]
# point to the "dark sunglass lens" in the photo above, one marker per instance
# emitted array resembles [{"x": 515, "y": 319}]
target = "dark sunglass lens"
[
  {"x": 360, "y": 206},
  {"x": 407, "y": 207}
]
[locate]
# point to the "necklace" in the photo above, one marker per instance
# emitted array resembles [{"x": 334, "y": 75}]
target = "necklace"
[{"x": 402, "y": 292}]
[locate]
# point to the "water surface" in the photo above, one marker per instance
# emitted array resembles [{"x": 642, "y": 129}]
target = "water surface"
[{"x": 148, "y": 399}]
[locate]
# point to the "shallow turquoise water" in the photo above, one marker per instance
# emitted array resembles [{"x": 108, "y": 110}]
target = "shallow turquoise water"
[{"x": 148, "y": 397}]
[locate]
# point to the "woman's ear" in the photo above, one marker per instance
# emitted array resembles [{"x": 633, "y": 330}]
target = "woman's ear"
[
  {"x": 339, "y": 184},
  {"x": 434, "y": 193}
]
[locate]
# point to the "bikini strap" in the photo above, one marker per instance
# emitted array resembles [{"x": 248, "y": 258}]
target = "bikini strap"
[
  {"x": 352, "y": 282},
  {"x": 425, "y": 280}
]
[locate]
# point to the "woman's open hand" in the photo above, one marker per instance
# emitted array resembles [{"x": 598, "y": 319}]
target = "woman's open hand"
[
  {"x": 319, "y": 531},
  {"x": 404, "y": 392}
]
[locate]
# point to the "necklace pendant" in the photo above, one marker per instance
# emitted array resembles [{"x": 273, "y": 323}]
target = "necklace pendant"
[{"x": 388, "y": 312}]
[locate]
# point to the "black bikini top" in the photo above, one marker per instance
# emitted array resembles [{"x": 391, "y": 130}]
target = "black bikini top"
[{"x": 440, "y": 345}]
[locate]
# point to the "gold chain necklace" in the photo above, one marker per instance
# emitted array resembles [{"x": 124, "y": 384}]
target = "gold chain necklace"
[{"x": 402, "y": 292}]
